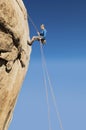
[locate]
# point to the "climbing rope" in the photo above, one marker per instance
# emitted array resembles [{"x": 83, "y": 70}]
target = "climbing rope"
[
  {"x": 45, "y": 73},
  {"x": 33, "y": 24},
  {"x": 51, "y": 88},
  {"x": 47, "y": 97}
]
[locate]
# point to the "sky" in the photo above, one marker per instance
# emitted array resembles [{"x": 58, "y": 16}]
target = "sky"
[{"x": 65, "y": 53}]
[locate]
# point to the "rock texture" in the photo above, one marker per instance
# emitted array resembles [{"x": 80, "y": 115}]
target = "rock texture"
[{"x": 14, "y": 55}]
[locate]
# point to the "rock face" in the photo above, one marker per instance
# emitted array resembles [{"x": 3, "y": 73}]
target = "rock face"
[{"x": 14, "y": 55}]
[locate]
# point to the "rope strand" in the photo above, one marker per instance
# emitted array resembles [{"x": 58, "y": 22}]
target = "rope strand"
[
  {"x": 51, "y": 89},
  {"x": 45, "y": 73},
  {"x": 46, "y": 90},
  {"x": 33, "y": 23}
]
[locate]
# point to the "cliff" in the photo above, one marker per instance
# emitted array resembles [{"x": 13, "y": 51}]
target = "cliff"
[{"x": 14, "y": 55}]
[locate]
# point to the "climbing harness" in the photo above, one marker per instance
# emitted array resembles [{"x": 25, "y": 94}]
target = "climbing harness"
[{"x": 47, "y": 78}]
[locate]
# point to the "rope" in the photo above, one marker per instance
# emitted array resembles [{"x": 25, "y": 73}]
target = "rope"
[
  {"x": 47, "y": 98},
  {"x": 45, "y": 73},
  {"x": 51, "y": 89},
  {"x": 33, "y": 24}
]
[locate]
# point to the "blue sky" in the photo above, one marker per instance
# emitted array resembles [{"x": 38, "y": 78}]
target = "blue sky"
[{"x": 65, "y": 53}]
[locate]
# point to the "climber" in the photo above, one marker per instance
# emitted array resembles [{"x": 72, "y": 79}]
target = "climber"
[{"x": 41, "y": 36}]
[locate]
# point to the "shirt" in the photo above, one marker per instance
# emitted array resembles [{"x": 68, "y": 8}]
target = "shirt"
[{"x": 43, "y": 33}]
